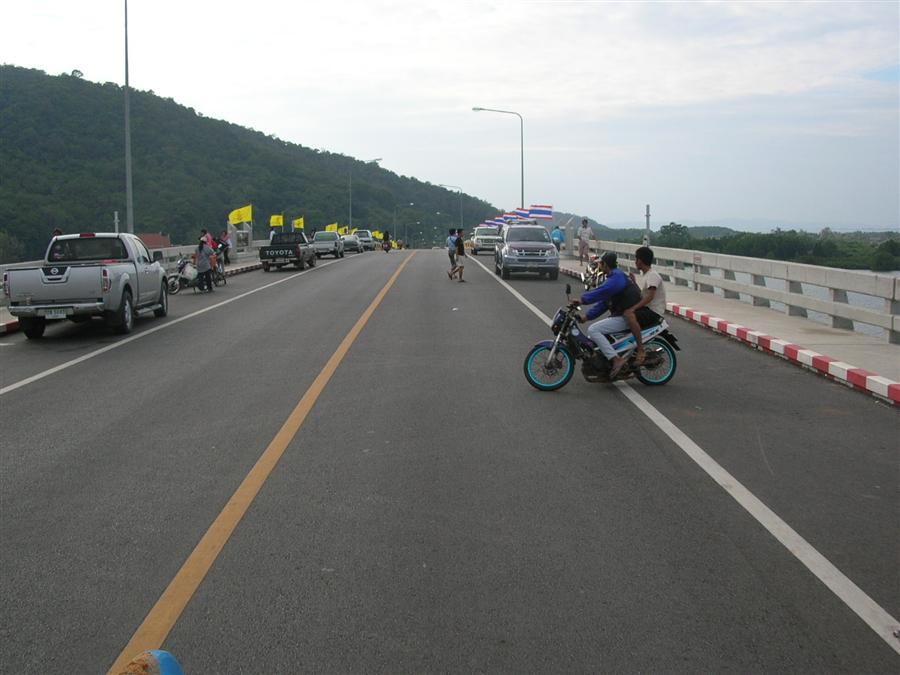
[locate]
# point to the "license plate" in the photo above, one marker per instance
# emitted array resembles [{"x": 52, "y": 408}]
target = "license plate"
[{"x": 55, "y": 313}]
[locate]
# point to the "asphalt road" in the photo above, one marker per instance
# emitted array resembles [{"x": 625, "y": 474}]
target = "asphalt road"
[{"x": 433, "y": 513}]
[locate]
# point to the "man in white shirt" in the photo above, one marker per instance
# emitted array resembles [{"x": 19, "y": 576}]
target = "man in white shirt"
[
  {"x": 653, "y": 297},
  {"x": 584, "y": 240}
]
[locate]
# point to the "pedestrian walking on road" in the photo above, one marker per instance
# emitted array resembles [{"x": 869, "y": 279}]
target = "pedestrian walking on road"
[
  {"x": 451, "y": 252},
  {"x": 584, "y": 240},
  {"x": 460, "y": 256},
  {"x": 204, "y": 266}
]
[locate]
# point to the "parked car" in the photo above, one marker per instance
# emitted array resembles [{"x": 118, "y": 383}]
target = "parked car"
[
  {"x": 526, "y": 248},
  {"x": 353, "y": 243},
  {"x": 107, "y": 275},
  {"x": 485, "y": 239},
  {"x": 287, "y": 248},
  {"x": 328, "y": 243},
  {"x": 368, "y": 241}
]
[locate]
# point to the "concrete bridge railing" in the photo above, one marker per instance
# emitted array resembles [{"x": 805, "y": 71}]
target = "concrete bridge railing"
[{"x": 844, "y": 296}]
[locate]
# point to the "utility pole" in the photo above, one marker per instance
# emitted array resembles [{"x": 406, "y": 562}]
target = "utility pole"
[
  {"x": 116, "y": 221},
  {"x": 647, "y": 231},
  {"x": 129, "y": 201}
]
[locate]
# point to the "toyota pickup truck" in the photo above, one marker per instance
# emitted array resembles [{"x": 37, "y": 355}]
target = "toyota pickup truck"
[
  {"x": 108, "y": 275},
  {"x": 287, "y": 248}
]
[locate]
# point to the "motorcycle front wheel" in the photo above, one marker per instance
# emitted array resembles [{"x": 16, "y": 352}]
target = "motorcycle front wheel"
[
  {"x": 548, "y": 376},
  {"x": 174, "y": 285},
  {"x": 659, "y": 364}
]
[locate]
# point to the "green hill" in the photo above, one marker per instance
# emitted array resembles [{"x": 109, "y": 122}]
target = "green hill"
[{"x": 62, "y": 165}]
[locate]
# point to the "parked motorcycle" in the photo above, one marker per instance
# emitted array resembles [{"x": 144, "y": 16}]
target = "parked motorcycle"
[
  {"x": 551, "y": 363},
  {"x": 593, "y": 276},
  {"x": 186, "y": 276}
]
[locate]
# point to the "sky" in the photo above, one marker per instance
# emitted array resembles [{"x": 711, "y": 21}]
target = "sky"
[{"x": 711, "y": 112}]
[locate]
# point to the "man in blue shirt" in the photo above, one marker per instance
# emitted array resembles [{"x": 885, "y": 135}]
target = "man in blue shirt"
[
  {"x": 616, "y": 294},
  {"x": 558, "y": 237}
]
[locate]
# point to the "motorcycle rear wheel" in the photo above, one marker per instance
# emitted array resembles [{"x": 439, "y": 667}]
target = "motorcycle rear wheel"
[
  {"x": 548, "y": 377},
  {"x": 659, "y": 364}
]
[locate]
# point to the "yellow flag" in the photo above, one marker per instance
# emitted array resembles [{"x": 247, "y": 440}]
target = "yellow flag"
[
  {"x": 297, "y": 223},
  {"x": 276, "y": 221},
  {"x": 241, "y": 215},
  {"x": 331, "y": 227},
  {"x": 376, "y": 234},
  {"x": 344, "y": 230},
  {"x": 353, "y": 231}
]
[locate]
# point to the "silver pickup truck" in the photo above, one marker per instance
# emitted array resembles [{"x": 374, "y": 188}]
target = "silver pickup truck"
[{"x": 83, "y": 275}]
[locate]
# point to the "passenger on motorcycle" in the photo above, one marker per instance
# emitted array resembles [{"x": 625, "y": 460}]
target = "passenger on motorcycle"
[{"x": 616, "y": 294}]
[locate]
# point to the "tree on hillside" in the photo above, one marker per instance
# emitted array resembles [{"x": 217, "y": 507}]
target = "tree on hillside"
[{"x": 674, "y": 235}]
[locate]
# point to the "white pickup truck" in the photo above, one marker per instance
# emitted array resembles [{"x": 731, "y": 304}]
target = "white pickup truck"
[{"x": 83, "y": 275}]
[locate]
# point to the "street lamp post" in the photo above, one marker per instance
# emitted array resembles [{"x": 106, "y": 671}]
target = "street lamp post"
[
  {"x": 459, "y": 192},
  {"x": 406, "y": 231},
  {"x": 397, "y": 206},
  {"x": 368, "y": 161},
  {"x": 521, "y": 141},
  {"x": 129, "y": 199}
]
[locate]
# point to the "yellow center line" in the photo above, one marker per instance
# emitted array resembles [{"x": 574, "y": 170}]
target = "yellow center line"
[{"x": 159, "y": 622}]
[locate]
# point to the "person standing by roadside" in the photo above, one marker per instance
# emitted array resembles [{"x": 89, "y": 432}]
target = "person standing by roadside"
[
  {"x": 226, "y": 246},
  {"x": 204, "y": 266},
  {"x": 460, "y": 256},
  {"x": 584, "y": 239},
  {"x": 451, "y": 252},
  {"x": 558, "y": 237}
]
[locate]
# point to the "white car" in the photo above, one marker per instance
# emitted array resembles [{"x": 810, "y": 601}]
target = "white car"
[
  {"x": 485, "y": 239},
  {"x": 368, "y": 241}
]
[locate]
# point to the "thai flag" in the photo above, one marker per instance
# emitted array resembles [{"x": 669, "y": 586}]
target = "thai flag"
[
  {"x": 523, "y": 212},
  {"x": 541, "y": 211},
  {"x": 509, "y": 216},
  {"x": 497, "y": 222}
]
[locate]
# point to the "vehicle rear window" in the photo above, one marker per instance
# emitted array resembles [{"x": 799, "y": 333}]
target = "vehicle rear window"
[
  {"x": 486, "y": 232},
  {"x": 527, "y": 234},
  {"x": 287, "y": 238},
  {"x": 326, "y": 236},
  {"x": 363, "y": 233},
  {"x": 88, "y": 248}
]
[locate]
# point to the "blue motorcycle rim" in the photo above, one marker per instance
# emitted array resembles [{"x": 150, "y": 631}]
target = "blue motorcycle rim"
[{"x": 548, "y": 376}]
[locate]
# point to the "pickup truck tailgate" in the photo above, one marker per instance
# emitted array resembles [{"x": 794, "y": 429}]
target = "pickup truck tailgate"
[{"x": 54, "y": 283}]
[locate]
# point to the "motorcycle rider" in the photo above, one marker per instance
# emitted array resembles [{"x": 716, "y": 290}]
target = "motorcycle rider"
[{"x": 616, "y": 294}]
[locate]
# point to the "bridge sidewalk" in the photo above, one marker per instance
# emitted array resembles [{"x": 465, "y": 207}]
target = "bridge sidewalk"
[{"x": 862, "y": 361}]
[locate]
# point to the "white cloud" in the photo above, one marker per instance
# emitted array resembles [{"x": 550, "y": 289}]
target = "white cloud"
[{"x": 398, "y": 80}]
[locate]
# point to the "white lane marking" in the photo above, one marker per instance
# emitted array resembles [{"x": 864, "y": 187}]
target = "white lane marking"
[
  {"x": 852, "y": 595},
  {"x": 168, "y": 324}
]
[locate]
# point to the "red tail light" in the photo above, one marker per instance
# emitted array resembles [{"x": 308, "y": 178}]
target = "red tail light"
[
  {"x": 105, "y": 281},
  {"x": 87, "y": 234},
  {"x": 6, "y": 284}
]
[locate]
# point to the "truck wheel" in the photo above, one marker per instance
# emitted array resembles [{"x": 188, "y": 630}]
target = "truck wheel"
[
  {"x": 504, "y": 273},
  {"x": 163, "y": 302},
  {"x": 312, "y": 261},
  {"x": 123, "y": 319},
  {"x": 554, "y": 275},
  {"x": 300, "y": 264},
  {"x": 265, "y": 267},
  {"x": 33, "y": 328}
]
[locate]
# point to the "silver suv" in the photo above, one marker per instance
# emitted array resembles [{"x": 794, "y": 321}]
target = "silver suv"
[{"x": 526, "y": 248}]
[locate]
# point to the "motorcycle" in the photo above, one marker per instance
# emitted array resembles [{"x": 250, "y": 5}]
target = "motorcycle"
[
  {"x": 551, "y": 363},
  {"x": 593, "y": 276},
  {"x": 186, "y": 276}
]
